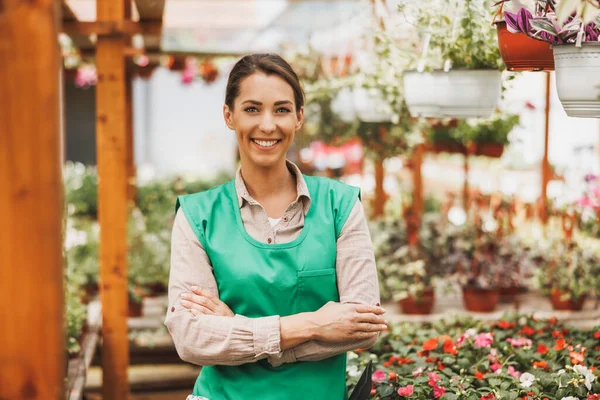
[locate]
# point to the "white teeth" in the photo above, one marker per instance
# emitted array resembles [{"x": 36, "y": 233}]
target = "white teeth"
[{"x": 265, "y": 143}]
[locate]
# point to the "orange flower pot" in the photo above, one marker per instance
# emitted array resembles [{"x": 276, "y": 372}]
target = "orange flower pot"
[
  {"x": 480, "y": 300},
  {"x": 493, "y": 150},
  {"x": 566, "y": 305},
  {"x": 522, "y": 53},
  {"x": 418, "y": 306}
]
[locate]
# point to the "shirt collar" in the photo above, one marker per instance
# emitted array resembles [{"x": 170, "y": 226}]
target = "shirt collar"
[{"x": 303, "y": 196}]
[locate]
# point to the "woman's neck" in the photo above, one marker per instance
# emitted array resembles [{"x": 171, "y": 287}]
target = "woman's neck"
[{"x": 265, "y": 183}]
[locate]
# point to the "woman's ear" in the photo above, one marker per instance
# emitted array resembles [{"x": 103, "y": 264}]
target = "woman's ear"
[
  {"x": 300, "y": 115},
  {"x": 228, "y": 116}
]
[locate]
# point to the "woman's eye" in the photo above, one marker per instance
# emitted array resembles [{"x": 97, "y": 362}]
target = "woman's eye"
[
  {"x": 283, "y": 110},
  {"x": 251, "y": 109}
]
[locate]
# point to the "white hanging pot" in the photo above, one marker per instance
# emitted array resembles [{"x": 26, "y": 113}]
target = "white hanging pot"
[
  {"x": 343, "y": 105},
  {"x": 469, "y": 93},
  {"x": 421, "y": 93},
  {"x": 578, "y": 78},
  {"x": 370, "y": 105}
]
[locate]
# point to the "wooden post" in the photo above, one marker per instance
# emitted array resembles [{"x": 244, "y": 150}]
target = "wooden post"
[
  {"x": 413, "y": 217},
  {"x": 380, "y": 196},
  {"x": 112, "y": 147},
  {"x": 543, "y": 206},
  {"x": 32, "y": 355}
]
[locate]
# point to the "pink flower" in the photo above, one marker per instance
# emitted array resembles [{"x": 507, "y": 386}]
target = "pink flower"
[
  {"x": 492, "y": 356},
  {"x": 484, "y": 340},
  {"x": 433, "y": 378},
  {"x": 417, "y": 372},
  {"x": 514, "y": 373},
  {"x": 438, "y": 391},
  {"x": 406, "y": 391},
  {"x": 467, "y": 335},
  {"x": 488, "y": 397},
  {"x": 519, "y": 342},
  {"x": 495, "y": 366},
  {"x": 378, "y": 376}
]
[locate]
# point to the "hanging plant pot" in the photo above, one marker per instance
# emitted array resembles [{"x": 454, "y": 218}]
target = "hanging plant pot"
[
  {"x": 343, "y": 105},
  {"x": 370, "y": 105},
  {"x": 421, "y": 93},
  {"x": 469, "y": 93},
  {"x": 493, "y": 150},
  {"x": 420, "y": 305},
  {"x": 447, "y": 147},
  {"x": 509, "y": 294},
  {"x": 480, "y": 300},
  {"x": 522, "y": 53},
  {"x": 561, "y": 304},
  {"x": 578, "y": 78}
]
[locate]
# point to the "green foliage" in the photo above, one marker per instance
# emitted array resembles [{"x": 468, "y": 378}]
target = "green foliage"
[{"x": 493, "y": 130}]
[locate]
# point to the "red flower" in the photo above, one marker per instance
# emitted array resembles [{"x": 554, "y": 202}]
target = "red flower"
[
  {"x": 529, "y": 331},
  {"x": 552, "y": 321},
  {"x": 577, "y": 358},
  {"x": 392, "y": 376},
  {"x": 433, "y": 378},
  {"x": 479, "y": 375},
  {"x": 560, "y": 344},
  {"x": 440, "y": 365},
  {"x": 431, "y": 344},
  {"x": 542, "y": 349},
  {"x": 488, "y": 397},
  {"x": 505, "y": 324},
  {"x": 596, "y": 336},
  {"x": 406, "y": 391},
  {"x": 438, "y": 391},
  {"x": 450, "y": 348},
  {"x": 541, "y": 364},
  {"x": 431, "y": 360},
  {"x": 556, "y": 334}
]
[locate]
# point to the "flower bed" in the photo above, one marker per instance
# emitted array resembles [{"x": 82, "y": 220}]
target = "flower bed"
[{"x": 515, "y": 358}]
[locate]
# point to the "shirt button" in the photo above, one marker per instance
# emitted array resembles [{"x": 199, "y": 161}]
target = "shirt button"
[
  {"x": 172, "y": 309},
  {"x": 269, "y": 240},
  {"x": 285, "y": 219}
]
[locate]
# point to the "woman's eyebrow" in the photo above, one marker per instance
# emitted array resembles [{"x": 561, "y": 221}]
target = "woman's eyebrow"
[{"x": 258, "y": 103}]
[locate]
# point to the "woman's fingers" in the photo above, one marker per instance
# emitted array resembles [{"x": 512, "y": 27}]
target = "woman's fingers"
[
  {"x": 199, "y": 300},
  {"x": 364, "y": 308},
  {"x": 212, "y": 300},
  {"x": 371, "y": 318},
  {"x": 366, "y": 327},
  {"x": 196, "y": 309}
]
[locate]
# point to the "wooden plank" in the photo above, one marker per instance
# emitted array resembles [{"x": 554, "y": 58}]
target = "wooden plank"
[
  {"x": 111, "y": 134},
  {"x": 543, "y": 206},
  {"x": 150, "y": 10},
  {"x": 32, "y": 359},
  {"x": 111, "y": 28}
]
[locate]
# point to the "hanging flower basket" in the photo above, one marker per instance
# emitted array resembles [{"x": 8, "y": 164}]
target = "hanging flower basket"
[
  {"x": 493, "y": 150},
  {"x": 447, "y": 147},
  {"x": 578, "y": 78},
  {"x": 370, "y": 106},
  {"x": 522, "y": 53},
  {"x": 418, "y": 306},
  {"x": 560, "y": 304},
  {"x": 469, "y": 93},
  {"x": 480, "y": 300},
  {"x": 421, "y": 93}
]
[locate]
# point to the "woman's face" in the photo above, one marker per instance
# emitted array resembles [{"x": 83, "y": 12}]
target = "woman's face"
[{"x": 264, "y": 119}]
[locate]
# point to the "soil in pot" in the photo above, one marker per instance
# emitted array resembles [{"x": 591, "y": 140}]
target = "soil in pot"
[
  {"x": 566, "y": 305},
  {"x": 480, "y": 300},
  {"x": 419, "y": 305},
  {"x": 522, "y": 53}
]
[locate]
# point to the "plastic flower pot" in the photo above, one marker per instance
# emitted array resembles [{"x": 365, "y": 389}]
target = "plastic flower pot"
[
  {"x": 370, "y": 106},
  {"x": 493, "y": 150},
  {"x": 522, "y": 53},
  {"x": 419, "y": 305},
  {"x": 578, "y": 78},
  {"x": 509, "y": 294},
  {"x": 469, "y": 93},
  {"x": 480, "y": 300},
  {"x": 561, "y": 304},
  {"x": 421, "y": 93}
]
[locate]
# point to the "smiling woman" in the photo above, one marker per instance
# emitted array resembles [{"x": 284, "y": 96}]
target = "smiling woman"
[{"x": 273, "y": 277}]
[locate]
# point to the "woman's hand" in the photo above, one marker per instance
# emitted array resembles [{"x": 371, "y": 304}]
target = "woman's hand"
[
  {"x": 338, "y": 322},
  {"x": 202, "y": 302}
]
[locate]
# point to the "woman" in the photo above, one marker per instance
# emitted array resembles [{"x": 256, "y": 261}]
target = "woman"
[{"x": 273, "y": 277}]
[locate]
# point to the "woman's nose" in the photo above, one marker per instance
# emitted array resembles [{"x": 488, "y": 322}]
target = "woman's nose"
[{"x": 267, "y": 125}]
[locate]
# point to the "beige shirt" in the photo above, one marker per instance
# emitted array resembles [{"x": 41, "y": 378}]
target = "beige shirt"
[{"x": 216, "y": 340}]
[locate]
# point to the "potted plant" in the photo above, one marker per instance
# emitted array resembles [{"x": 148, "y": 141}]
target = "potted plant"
[
  {"x": 574, "y": 40},
  {"x": 471, "y": 88},
  {"x": 519, "y": 51}
]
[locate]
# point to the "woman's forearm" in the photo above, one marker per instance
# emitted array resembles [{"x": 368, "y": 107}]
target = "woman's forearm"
[{"x": 297, "y": 329}]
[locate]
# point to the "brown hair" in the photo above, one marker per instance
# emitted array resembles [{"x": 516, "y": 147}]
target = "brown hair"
[{"x": 269, "y": 64}]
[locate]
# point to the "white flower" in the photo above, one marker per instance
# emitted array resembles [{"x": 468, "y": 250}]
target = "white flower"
[
  {"x": 527, "y": 379},
  {"x": 352, "y": 355},
  {"x": 587, "y": 374},
  {"x": 353, "y": 371},
  {"x": 570, "y": 398}
]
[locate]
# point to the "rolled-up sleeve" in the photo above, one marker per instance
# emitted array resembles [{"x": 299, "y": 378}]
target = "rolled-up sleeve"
[
  {"x": 209, "y": 339},
  {"x": 357, "y": 283}
]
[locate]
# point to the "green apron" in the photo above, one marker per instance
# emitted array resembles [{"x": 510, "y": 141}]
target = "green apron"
[{"x": 257, "y": 279}]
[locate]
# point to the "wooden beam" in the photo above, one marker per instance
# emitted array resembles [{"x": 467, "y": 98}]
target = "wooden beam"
[
  {"x": 111, "y": 28},
  {"x": 150, "y": 10},
  {"x": 111, "y": 136},
  {"x": 543, "y": 206},
  {"x": 465, "y": 196},
  {"x": 67, "y": 12},
  {"x": 32, "y": 359}
]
